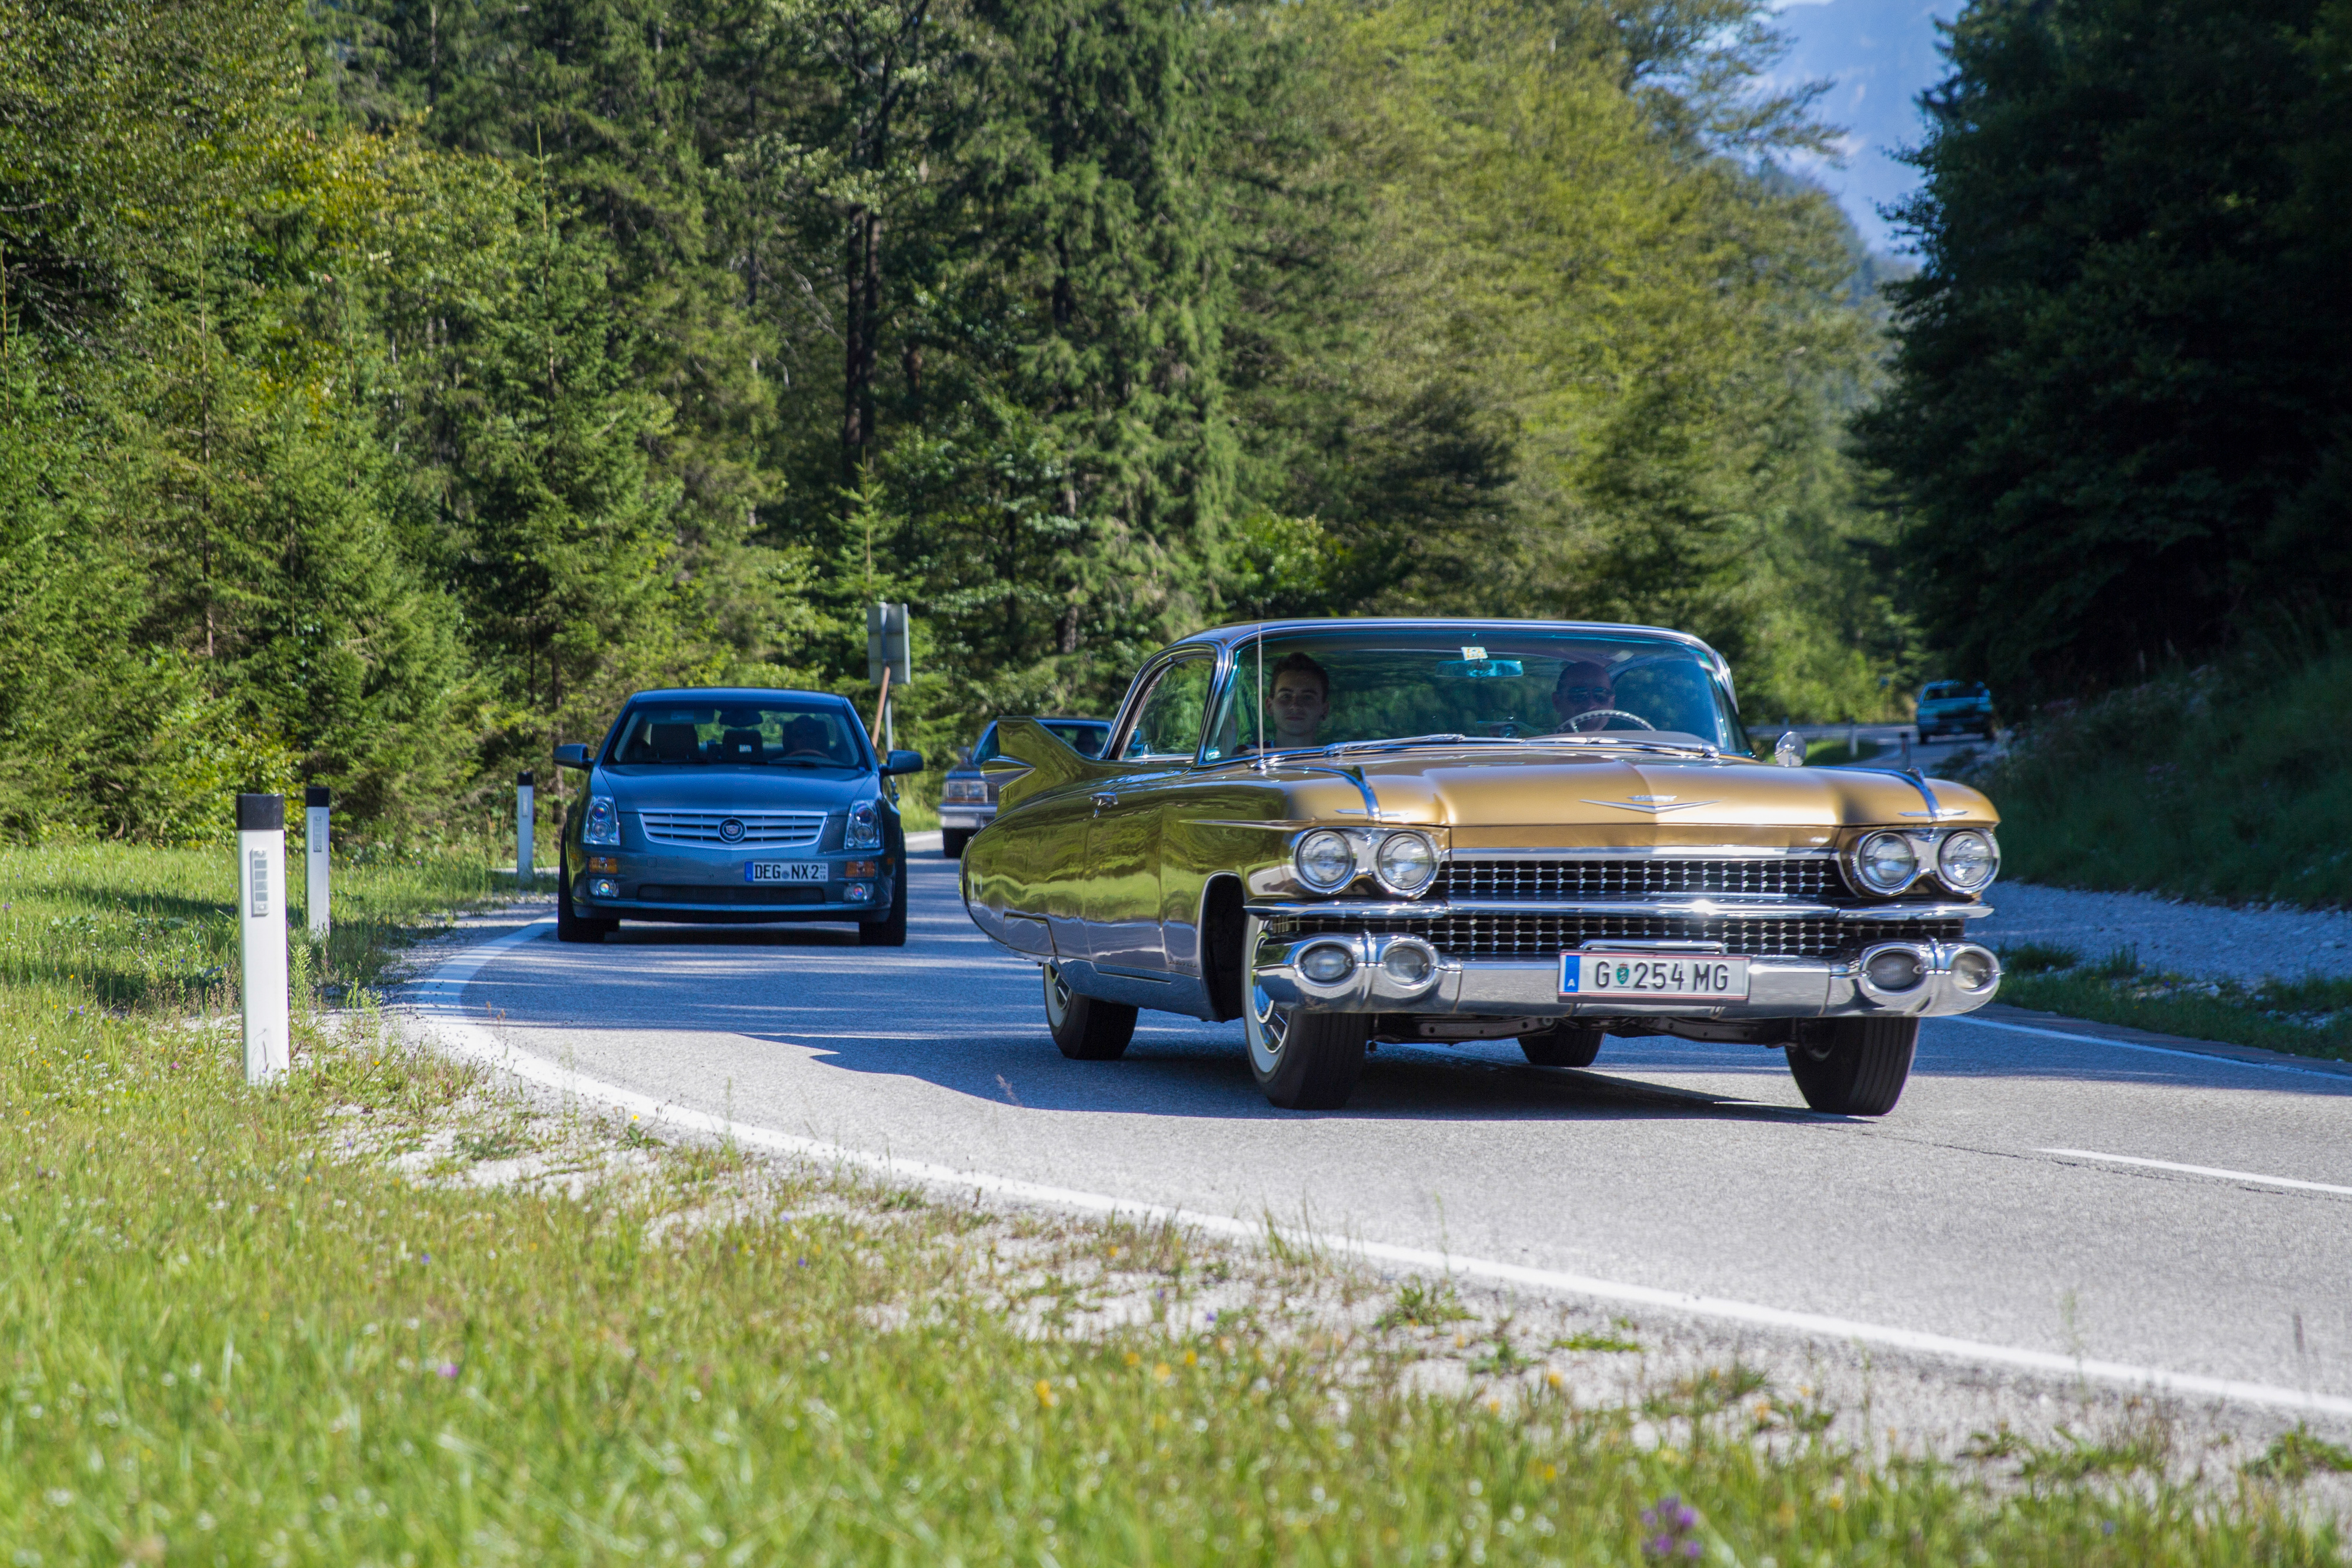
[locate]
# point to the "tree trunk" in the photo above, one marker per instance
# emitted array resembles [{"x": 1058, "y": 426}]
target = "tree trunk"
[{"x": 864, "y": 322}]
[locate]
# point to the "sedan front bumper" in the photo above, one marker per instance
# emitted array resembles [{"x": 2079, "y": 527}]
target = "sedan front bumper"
[{"x": 1423, "y": 982}]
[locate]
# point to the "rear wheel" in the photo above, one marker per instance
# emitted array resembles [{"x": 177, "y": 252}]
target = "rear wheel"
[
  {"x": 1086, "y": 1027},
  {"x": 890, "y": 930},
  {"x": 570, "y": 926},
  {"x": 1853, "y": 1067},
  {"x": 952, "y": 841},
  {"x": 1564, "y": 1045}
]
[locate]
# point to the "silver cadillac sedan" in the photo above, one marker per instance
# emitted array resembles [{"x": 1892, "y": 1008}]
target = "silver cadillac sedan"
[{"x": 730, "y": 805}]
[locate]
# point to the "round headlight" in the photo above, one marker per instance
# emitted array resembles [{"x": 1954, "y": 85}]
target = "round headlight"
[
  {"x": 1409, "y": 964},
  {"x": 1973, "y": 968},
  {"x": 1326, "y": 962},
  {"x": 1968, "y": 860},
  {"x": 1894, "y": 969},
  {"x": 1885, "y": 863},
  {"x": 1325, "y": 859},
  {"x": 1406, "y": 861}
]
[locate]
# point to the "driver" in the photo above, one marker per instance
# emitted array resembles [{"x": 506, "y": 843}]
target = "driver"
[
  {"x": 1584, "y": 687},
  {"x": 805, "y": 736},
  {"x": 1300, "y": 692}
]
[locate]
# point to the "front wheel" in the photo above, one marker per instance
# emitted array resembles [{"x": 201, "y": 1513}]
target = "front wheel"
[
  {"x": 1086, "y": 1029},
  {"x": 1563, "y": 1045},
  {"x": 890, "y": 930},
  {"x": 570, "y": 926},
  {"x": 1302, "y": 1062},
  {"x": 1853, "y": 1067},
  {"x": 952, "y": 841}
]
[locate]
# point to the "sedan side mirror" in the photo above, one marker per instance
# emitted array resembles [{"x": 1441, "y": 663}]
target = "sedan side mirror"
[
  {"x": 572, "y": 756},
  {"x": 902, "y": 762}
]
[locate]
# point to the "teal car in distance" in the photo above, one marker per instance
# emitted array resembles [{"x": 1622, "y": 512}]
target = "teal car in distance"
[{"x": 1954, "y": 707}]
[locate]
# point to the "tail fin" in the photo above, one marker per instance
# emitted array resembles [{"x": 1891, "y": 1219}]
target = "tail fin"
[{"x": 1046, "y": 762}]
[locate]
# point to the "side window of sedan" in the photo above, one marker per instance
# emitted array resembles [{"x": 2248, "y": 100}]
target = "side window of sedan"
[{"x": 1169, "y": 723}]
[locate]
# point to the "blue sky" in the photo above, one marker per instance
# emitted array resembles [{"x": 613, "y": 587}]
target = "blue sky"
[{"x": 1878, "y": 56}]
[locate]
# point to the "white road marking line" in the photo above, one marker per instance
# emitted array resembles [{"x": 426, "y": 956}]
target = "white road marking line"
[
  {"x": 2200, "y": 1170},
  {"x": 439, "y": 999},
  {"x": 2150, "y": 1050}
]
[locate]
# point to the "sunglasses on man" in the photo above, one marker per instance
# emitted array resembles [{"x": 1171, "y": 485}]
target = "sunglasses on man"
[{"x": 1586, "y": 694}]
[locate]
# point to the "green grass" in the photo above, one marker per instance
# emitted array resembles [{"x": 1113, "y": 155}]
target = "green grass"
[
  {"x": 2233, "y": 783},
  {"x": 2303, "y": 1018},
  {"x": 231, "y": 1333}
]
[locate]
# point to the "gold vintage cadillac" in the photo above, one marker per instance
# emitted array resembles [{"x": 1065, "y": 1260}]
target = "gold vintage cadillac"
[{"x": 1345, "y": 831}]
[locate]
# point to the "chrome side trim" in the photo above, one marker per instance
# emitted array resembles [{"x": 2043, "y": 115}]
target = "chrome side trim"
[{"x": 1917, "y": 912}]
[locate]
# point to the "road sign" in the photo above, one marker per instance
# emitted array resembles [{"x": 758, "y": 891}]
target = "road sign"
[{"x": 889, "y": 644}]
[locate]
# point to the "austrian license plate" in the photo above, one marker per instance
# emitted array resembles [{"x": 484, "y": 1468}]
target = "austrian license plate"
[
  {"x": 1655, "y": 977},
  {"x": 786, "y": 870}
]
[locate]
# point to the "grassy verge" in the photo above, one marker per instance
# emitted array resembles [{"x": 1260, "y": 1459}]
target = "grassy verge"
[
  {"x": 2233, "y": 783},
  {"x": 302, "y": 1324},
  {"x": 2305, "y": 1017}
]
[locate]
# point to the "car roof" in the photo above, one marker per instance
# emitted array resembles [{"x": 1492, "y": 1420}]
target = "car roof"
[
  {"x": 732, "y": 694},
  {"x": 1240, "y": 631}
]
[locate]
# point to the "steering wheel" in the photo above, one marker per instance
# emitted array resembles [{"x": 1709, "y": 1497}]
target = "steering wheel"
[
  {"x": 1576, "y": 724},
  {"x": 816, "y": 751}
]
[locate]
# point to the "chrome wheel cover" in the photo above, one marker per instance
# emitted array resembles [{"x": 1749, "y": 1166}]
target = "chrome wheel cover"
[
  {"x": 1267, "y": 1026},
  {"x": 1057, "y": 997}
]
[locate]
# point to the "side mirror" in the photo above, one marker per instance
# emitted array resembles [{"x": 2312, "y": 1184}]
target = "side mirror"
[
  {"x": 902, "y": 762},
  {"x": 572, "y": 756}
]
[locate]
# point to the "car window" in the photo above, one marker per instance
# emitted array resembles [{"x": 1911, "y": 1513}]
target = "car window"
[
  {"x": 1086, "y": 739},
  {"x": 744, "y": 734},
  {"x": 1169, "y": 723},
  {"x": 986, "y": 750}
]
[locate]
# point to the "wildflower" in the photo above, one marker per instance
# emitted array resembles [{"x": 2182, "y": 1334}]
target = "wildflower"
[
  {"x": 1046, "y": 1396},
  {"x": 1162, "y": 1372},
  {"x": 447, "y": 1369},
  {"x": 1676, "y": 1527}
]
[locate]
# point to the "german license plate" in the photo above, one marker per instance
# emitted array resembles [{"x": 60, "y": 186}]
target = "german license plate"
[
  {"x": 784, "y": 871},
  {"x": 1655, "y": 977}
]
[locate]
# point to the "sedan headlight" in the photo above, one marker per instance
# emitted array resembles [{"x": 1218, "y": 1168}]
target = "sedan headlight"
[
  {"x": 965, "y": 790},
  {"x": 865, "y": 827},
  {"x": 1406, "y": 863},
  {"x": 602, "y": 823},
  {"x": 1885, "y": 863},
  {"x": 1326, "y": 861},
  {"x": 1967, "y": 861}
]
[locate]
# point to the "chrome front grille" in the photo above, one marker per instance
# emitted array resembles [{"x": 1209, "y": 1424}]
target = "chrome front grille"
[
  {"x": 1548, "y": 936},
  {"x": 757, "y": 830},
  {"x": 1808, "y": 877}
]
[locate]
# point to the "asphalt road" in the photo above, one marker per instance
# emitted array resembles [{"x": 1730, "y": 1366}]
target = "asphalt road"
[{"x": 1669, "y": 1165}]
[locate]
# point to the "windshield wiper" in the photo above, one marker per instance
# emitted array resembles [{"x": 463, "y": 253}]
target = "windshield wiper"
[{"x": 803, "y": 762}]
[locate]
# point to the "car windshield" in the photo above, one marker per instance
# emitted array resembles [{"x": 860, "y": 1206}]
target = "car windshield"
[
  {"x": 1345, "y": 689},
  {"x": 763, "y": 733},
  {"x": 1944, "y": 691}
]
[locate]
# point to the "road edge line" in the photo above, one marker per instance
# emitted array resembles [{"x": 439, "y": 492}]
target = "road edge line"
[{"x": 435, "y": 1000}]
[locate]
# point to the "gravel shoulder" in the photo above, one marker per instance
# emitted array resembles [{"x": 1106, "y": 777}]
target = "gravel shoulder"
[{"x": 2204, "y": 941}]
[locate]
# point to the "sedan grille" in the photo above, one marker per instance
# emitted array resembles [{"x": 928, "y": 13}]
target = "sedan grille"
[
  {"x": 1548, "y": 936},
  {"x": 1808, "y": 877},
  {"x": 754, "y": 829}
]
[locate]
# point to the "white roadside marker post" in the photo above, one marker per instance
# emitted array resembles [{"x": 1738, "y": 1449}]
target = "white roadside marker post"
[
  {"x": 261, "y": 933},
  {"x": 315, "y": 801},
  {"x": 523, "y": 826}
]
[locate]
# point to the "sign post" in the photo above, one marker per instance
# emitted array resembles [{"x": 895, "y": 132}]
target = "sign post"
[
  {"x": 890, "y": 658},
  {"x": 523, "y": 829},
  {"x": 315, "y": 801},
  {"x": 261, "y": 933}
]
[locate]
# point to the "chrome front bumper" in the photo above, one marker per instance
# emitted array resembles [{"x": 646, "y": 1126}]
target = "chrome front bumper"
[
  {"x": 1522, "y": 988},
  {"x": 965, "y": 816}
]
